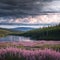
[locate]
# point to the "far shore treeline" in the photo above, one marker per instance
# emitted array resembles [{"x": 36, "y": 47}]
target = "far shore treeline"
[{"x": 45, "y": 33}]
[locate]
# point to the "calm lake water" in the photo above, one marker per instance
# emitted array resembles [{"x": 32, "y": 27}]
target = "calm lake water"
[{"x": 14, "y": 38}]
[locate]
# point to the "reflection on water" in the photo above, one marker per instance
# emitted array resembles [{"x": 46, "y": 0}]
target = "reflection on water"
[{"x": 13, "y": 38}]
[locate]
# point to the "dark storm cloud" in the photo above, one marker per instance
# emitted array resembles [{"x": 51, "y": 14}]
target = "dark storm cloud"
[{"x": 27, "y": 7}]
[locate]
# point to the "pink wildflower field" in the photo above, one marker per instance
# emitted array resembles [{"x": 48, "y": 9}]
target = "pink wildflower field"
[{"x": 42, "y": 50}]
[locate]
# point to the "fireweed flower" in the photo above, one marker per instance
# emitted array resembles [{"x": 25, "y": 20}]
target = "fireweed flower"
[{"x": 19, "y": 54}]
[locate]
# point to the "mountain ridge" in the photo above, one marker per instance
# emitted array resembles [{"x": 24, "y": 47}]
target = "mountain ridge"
[{"x": 22, "y": 28}]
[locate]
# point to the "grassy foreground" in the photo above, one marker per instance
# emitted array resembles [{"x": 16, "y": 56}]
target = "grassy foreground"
[
  {"x": 54, "y": 45},
  {"x": 19, "y": 54},
  {"x": 38, "y": 50}
]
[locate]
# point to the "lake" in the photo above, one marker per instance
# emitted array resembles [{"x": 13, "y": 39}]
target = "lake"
[{"x": 14, "y": 38}]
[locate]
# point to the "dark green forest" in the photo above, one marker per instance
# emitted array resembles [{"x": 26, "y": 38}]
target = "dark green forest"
[{"x": 45, "y": 33}]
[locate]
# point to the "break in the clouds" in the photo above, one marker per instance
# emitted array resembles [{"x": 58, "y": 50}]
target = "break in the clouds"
[
  {"x": 39, "y": 19},
  {"x": 28, "y": 7}
]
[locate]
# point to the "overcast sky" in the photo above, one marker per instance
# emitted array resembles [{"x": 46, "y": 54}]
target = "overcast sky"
[{"x": 30, "y": 11}]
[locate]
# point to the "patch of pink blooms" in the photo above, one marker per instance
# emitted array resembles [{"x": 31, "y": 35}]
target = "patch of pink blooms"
[{"x": 23, "y": 54}]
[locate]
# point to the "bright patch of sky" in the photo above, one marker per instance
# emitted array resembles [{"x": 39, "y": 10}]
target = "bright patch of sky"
[
  {"x": 39, "y": 19},
  {"x": 44, "y": 19}
]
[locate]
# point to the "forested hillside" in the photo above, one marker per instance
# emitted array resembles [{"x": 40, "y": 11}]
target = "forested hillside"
[{"x": 46, "y": 33}]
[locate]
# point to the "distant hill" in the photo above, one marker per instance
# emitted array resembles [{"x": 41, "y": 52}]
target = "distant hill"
[
  {"x": 5, "y": 32},
  {"x": 22, "y": 29}
]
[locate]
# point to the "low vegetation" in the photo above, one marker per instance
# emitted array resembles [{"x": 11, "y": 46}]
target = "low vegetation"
[
  {"x": 32, "y": 45},
  {"x": 19, "y": 54},
  {"x": 38, "y": 50}
]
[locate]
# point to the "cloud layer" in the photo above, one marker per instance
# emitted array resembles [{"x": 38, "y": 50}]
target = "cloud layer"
[
  {"x": 39, "y": 19},
  {"x": 28, "y": 7},
  {"x": 29, "y": 12}
]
